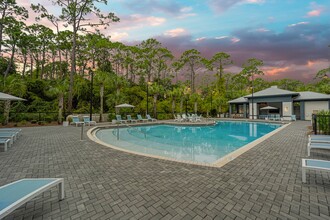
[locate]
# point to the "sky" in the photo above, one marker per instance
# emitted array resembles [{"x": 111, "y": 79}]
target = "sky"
[{"x": 290, "y": 36}]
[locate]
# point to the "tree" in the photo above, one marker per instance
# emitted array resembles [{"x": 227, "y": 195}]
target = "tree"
[
  {"x": 14, "y": 34},
  {"x": 14, "y": 86},
  {"x": 76, "y": 14},
  {"x": 192, "y": 59},
  {"x": 59, "y": 88},
  {"x": 250, "y": 69},
  {"x": 10, "y": 9},
  {"x": 102, "y": 79}
]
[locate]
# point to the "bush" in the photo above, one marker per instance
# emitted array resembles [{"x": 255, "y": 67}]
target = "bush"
[
  {"x": 34, "y": 121},
  {"x": 41, "y": 122},
  {"x": 48, "y": 119}
]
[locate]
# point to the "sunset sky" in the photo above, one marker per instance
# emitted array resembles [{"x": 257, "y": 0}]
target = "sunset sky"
[{"x": 290, "y": 36}]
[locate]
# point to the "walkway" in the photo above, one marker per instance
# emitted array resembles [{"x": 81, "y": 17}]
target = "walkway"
[{"x": 102, "y": 183}]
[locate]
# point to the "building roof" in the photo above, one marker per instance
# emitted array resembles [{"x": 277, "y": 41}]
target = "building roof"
[
  {"x": 312, "y": 96},
  {"x": 239, "y": 100},
  {"x": 272, "y": 91}
]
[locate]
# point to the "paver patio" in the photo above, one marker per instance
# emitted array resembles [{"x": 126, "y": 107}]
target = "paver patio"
[{"x": 102, "y": 183}]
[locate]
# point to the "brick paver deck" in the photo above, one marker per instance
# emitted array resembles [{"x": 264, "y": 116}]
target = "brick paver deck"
[{"x": 102, "y": 183}]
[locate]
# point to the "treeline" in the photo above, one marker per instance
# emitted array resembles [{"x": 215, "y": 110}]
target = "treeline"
[{"x": 53, "y": 69}]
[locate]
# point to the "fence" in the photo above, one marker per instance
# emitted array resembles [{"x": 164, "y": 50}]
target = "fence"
[{"x": 321, "y": 124}]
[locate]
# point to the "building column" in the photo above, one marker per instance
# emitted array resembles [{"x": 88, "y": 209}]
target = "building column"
[
  {"x": 244, "y": 111},
  {"x": 230, "y": 110},
  {"x": 302, "y": 110}
]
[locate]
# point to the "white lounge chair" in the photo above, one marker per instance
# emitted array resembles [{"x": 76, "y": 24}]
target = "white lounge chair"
[
  {"x": 119, "y": 119},
  {"x": 312, "y": 145},
  {"x": 15, "y": 194},
  {"x": 319, "y": 138},
  {"x": 130, "y": 119},
  {"x": 8, "y": 136},
  {"x": 139, "y": 118},
  {"x": 76, "y": 121},
  {"x": 5, "y": 142},
  {"x": 149, "y": 118},
  {"x": 87, "y": 121},
  {"x": 312, "y": 164}
]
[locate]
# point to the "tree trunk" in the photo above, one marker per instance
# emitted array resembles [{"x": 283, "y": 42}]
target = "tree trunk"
[
  {"x": 73, "y": 67},
  {"x": 60, "y": 108},
  {"x": 24, "y": 64},
  {"x": 101, "y": 102},
  {"x": 11, "y": 61},
  {"x": 6, "y": 112},
  {"x": 173, "y": 106},
  {"x": 155, "y": 105},
  {"x": 181, "y": 104},
  {"x": 195, "y": 107},
  {"x": 31, "y": 69}
]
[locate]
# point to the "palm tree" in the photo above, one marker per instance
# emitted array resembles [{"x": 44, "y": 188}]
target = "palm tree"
[
  {"x": 59, "y": 89},
  {"x": 102, "y": 79},
  {"x": 14, "y": 86}
]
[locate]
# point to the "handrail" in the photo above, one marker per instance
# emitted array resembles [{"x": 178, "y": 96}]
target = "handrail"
[{"x": 145, "y": 134}]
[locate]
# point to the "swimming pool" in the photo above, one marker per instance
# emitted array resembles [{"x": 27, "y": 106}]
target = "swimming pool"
[{"x": 196, "y": 144}]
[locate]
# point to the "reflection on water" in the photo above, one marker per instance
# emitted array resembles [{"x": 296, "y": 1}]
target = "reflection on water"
[{"x": 192, "y": 143}]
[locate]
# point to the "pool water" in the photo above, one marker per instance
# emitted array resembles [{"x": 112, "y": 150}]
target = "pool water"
[{"x": 201, "y": 144}]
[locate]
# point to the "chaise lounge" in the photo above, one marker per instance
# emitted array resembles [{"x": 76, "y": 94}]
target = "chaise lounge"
[
  {"x": 313, "y": 145},
  {"x": 87, "y": 121},
  {"x": 312, "y": 164},
  {"x": 15, "y": 194},
  {"x": 76, "y": 121}
]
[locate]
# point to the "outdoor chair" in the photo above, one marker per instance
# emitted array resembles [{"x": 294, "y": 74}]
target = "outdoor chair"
[
  {"x": 312, "y": 164},
  {"x": 5, "y": 142},
  {"x": 9, "y": 136},
  {"x": 76, "y": 121},
  {"x": 119, "y": 119},
  {"x": 313, "y": 145},
  {"x": 139, "y": 118},
  {"x": 130, "y": 119},
  {"x": 13, "y": 133},
  {"x": 17, "y": 130},
  {"x": 15, "y": 194},
  {"x": 150, "y": 118},
  {"x": 319, "y": 139},
  {"x": 87, "y": 121}
]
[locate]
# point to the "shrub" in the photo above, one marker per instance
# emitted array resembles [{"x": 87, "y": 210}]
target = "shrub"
[
  {"x": 34, "y": 121},
  {"x": 48, "y": 119}
]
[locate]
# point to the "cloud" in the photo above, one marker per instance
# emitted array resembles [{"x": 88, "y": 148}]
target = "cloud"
[
  {"x": 289, "y": 54},
  {"x": 176, "y": 32},
  {"x": 151, "y": 6},
  {"x": 220, "y": 6},
  {"x": 299, "y": 23},
  {"x": 135, "y": 21},
  {"x": 118, "y": 36},
  {"x": 314, "y": 13},
  {"x": 316, "y": 10}
]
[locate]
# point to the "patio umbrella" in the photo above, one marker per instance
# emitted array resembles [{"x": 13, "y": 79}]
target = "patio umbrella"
[
  {"x": 4, "y": 96},
  {"x": 268, "y": 108},
  {"x": 124, "y": 106}
]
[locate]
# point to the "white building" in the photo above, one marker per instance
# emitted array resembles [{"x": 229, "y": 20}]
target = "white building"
[{"x": 285, "y": 104}]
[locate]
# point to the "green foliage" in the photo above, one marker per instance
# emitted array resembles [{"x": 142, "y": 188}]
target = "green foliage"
[{"x": 323, "y": 121}]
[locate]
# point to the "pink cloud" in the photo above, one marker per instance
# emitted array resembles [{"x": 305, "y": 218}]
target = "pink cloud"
[
  {"x": 176, "y": 32},
  {"x": 314, "y": 13}
]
